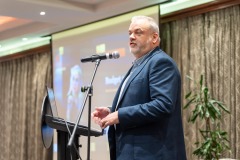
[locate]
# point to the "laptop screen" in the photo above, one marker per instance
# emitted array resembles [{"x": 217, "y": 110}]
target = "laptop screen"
[{"x": 52, "y": 101}]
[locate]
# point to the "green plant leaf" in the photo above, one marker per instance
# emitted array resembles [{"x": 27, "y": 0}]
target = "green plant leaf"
[
  {"x": 220, "y": 104},
  {"x": 212, "y": 104},
  {"x": 189, "y": 77},
  {"x": 201, "y": 81},
  {"x": 194, "y": 116},
  {"x": 207, "y": 114},
  {"x": 189, "y": 103},
  {"x": 188, "y": 95},
  {"x": 212, "y": 113},
  {"x": 205, "y": 91}
]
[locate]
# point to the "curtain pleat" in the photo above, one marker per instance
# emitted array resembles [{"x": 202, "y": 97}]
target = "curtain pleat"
[{"x": 209, "y": 44}]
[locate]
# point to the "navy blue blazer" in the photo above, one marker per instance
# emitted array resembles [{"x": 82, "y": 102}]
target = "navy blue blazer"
[{"x": 149, "y": 113}]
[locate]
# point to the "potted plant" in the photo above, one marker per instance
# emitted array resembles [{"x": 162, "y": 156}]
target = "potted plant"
[{"x": 209, "y": 111}]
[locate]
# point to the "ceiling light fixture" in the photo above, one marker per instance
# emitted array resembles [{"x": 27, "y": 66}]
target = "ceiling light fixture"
[{"x": 42, "y": 13}]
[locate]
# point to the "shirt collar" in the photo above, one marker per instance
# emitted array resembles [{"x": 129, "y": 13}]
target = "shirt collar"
[{"x": 140, "y": 60}]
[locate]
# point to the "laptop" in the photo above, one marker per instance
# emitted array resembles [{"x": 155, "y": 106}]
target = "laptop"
[
  {"x": 54, "y": 117},
  {"x": 52, "y": 101}
]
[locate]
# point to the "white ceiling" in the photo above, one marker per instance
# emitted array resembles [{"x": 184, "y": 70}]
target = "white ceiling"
[{"x": 24, "y": 19}]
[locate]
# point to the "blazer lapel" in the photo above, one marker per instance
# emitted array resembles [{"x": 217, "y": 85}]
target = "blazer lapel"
[{"x": 133, "y": 76}]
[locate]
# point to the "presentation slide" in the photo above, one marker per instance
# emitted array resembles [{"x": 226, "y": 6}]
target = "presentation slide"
[{"x": 70, "y": 74}]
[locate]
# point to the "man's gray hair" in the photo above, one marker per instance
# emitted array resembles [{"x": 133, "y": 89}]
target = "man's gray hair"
[{"x": 153, "y": 24}]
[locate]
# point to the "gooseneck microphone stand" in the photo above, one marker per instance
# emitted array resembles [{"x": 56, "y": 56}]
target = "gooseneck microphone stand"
[{"x": 88, "y": 96}]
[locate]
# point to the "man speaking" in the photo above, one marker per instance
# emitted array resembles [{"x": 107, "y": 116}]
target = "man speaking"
[{"x": 145, "y": 118}]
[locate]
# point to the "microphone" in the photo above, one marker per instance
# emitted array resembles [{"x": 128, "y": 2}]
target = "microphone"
[{"x": 93, "y": 58}]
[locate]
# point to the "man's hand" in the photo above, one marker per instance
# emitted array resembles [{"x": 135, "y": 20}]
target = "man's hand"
[
  {"x": 99, "y": 114},
  {"x": 110, "y": 119}
]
